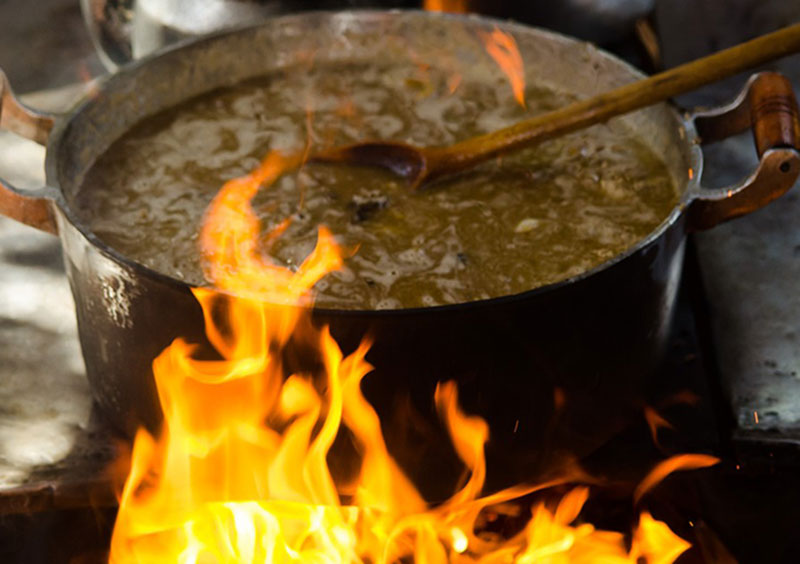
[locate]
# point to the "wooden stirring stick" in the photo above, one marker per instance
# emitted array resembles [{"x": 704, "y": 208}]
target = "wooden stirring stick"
[{"x": 420, "y": 165}]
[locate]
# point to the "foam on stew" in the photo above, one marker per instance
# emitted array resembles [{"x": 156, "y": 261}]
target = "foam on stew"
[{"x": 535, "y": 217}]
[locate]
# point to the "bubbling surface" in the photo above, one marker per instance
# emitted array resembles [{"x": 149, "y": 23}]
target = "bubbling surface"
[{"x": 535, "y": 217}]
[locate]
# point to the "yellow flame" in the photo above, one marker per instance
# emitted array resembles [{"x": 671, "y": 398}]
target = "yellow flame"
[
  {"x": 654, "y": 541},
  {"x": 239, "y": 472}
]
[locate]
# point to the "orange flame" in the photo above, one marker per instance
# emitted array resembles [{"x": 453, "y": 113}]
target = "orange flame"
[
  {"x": 239, "y": 473},
  {"x": 503, "y": 49},
  {"x": 670, "y": 465},
  {"x": 453, "y": 82},
  {"x": 655, "y": 422},
  {"x": 230, "y": 236},
  {"x": 452, "y": 6}
]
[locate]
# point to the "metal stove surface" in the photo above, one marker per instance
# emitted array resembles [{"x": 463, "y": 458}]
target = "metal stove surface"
[{"x": 750, "y": 266}]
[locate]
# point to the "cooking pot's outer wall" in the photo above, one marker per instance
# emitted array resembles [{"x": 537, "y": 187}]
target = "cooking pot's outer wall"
[{"x": 596, "y": 339}]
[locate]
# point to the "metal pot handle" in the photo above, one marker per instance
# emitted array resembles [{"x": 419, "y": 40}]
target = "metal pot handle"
[
  {"x": 26, "y": 206},
  {"x": 767, "y": 105}
]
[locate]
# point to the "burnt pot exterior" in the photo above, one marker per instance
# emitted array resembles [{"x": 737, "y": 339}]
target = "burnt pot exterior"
[{"x": 552, "y": 371}]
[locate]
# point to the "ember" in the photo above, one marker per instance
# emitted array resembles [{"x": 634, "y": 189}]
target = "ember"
[{"x": 240, "y": 471}]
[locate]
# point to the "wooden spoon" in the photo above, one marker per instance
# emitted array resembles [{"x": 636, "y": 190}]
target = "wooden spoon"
[{"x": 420, "y": 165}]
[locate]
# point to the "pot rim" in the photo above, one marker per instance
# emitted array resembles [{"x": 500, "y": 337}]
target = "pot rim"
[{"x": 686, "y": 190}]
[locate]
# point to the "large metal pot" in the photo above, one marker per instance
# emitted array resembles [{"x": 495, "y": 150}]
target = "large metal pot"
[{"x": 555, "y": 367}]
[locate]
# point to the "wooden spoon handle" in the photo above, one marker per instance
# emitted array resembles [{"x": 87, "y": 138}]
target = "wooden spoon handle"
[{"x": 598, "y": 109}]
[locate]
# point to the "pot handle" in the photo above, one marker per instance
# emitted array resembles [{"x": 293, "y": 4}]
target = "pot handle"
[
  {"x": 26, "y": 206},
  {"x": 767, "y": 105}
]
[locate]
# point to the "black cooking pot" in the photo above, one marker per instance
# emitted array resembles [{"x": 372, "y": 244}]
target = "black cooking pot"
[{"x": 555, "y": 368}]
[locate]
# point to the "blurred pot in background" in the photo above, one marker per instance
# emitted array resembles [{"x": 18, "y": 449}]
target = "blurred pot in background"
[
  {"x": 123, "y": 30},
  {"x": 600, "y": 21}
]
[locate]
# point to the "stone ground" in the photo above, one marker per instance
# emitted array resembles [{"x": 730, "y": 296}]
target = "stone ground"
[{"x": 44, "y": 397}]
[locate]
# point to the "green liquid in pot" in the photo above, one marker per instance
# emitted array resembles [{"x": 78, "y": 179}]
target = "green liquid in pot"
[{"x": 535, "y": 217}]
